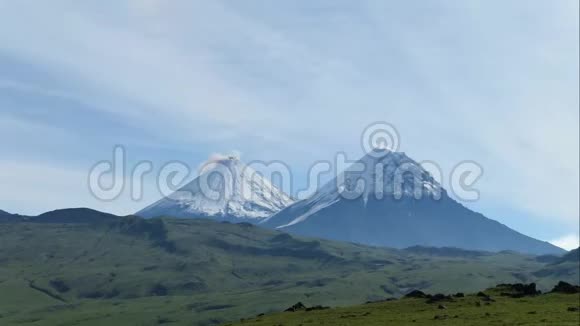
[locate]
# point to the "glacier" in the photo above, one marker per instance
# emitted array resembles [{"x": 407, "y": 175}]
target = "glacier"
[{"x": 226, "y": 189}]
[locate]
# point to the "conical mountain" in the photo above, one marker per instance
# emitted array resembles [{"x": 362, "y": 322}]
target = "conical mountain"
[
  {"x": 387, "y": 199},
  {"x": 226, "y": 189}
]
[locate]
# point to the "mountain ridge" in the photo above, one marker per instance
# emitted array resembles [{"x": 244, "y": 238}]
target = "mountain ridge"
[
  {"x": 409, "y": 208},
  {"x": 226, "y": 189}
]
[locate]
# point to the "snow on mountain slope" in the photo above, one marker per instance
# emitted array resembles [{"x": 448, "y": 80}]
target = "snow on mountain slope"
[
  {"x": 225, "y": 189},
  {"x": 387, "y": 199},
  {"x": 378, "y": 174}
]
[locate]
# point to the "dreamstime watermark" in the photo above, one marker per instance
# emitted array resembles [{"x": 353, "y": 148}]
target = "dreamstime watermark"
[{"x": 382, "y": 173}]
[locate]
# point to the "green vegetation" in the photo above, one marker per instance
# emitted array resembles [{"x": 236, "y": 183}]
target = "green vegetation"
[
  {"x": 130, "y": 271},
  {"x": 493, "y": 309}
]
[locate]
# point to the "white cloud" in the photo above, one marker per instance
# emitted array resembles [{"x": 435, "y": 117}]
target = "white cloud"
[
  {"x": 34, "y": 188},
  {"x": 568, "y": 242},
  {"x": 495, "y": 81}
]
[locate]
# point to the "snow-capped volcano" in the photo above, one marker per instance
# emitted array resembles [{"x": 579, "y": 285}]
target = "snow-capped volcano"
[
  {"x": 379, "y": 174},
  {"x": 225, "y": 189},
  {"x": 387, "y": 199}
]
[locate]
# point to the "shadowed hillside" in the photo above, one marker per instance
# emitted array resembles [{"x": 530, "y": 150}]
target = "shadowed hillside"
[{"x": 73, "y": 265}]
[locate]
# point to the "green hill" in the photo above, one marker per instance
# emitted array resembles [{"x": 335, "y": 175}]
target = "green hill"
[
  {"x": 492, "y": 307},
  {"x": 80, "y": 267}
]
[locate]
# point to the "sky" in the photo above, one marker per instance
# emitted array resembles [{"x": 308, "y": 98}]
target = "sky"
[{"x": 494, "y": 82}]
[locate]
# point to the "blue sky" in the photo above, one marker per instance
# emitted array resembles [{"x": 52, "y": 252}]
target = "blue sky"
[{"x": 491, "y": 81}]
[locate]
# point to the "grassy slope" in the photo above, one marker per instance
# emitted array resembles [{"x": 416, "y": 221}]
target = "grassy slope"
[
  {"x": 549, "y": 309},
  {"x": 206, "y": 272}
]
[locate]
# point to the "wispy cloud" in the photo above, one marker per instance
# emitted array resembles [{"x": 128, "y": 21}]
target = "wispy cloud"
[{"x": 494, "y": 81}]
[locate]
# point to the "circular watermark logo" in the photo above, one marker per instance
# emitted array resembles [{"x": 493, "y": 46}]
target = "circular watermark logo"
[{"x": 380, "y": 136}]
